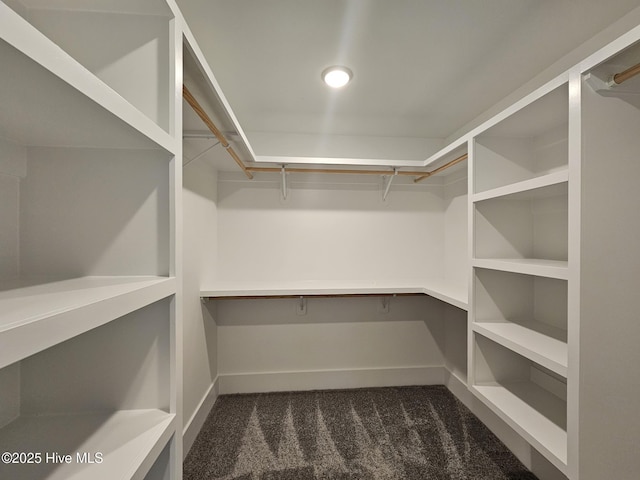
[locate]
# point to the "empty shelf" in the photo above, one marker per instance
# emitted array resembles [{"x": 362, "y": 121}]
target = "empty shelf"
[
  {"x": 38, "y": 315},
  {"x": 128, "y": 442},
  {"x": 538, "y": 187},
  {"x": 536, "y": 414},
  {"x": 544, "y": 344},
  {"x": 543, "y": 268}
]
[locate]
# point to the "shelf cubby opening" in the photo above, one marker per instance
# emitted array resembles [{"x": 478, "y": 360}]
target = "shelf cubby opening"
[
  {"x": 40, "y": 109},
  {"x": 526, "y": 313},
  {"x": 124, "y": 43},
  {"x": 455, "y": 338},
  {"x": 530, "y": 143},
  {"x": 532, "y": 224},
  {"x": 94, "y": 393},
  {"x": 80, "y": 212},
  {"x": 530, "y": 398}
]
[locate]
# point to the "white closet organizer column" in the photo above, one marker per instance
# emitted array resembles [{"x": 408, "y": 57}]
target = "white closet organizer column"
[
  {"x": 519, "y": 206},
  {"x": 88, "y": 291},
  {"x": 609, "y": 227}
]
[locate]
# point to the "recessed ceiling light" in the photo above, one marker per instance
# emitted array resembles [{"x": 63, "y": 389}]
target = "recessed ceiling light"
[{"x": 337, "y": 77}]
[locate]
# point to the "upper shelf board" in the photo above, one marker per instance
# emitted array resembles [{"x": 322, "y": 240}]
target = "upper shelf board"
[
  {"x": 543, "y": 268},
  {"x": 453, "y": 295},
  {"x": 539, "y": 187}
]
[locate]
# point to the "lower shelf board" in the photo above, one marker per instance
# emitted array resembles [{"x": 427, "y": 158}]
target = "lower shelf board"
[
  {"x": 116, "y": 445},
  {"x": 37, "y": 314},
  {"x": 537, "y": 415}
]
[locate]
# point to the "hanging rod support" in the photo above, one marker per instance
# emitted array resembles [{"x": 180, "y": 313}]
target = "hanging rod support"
[
  {"x": 191, "y": 100},
  {"x": 284, "y": 182},
  {"x": 386, "y": 191},
  {"x": 201, "y": 154},
  {"x": 301, "y": 308}
]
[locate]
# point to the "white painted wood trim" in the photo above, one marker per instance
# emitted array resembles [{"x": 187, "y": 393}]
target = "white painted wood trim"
[
  {"x": 330, "y": 379},
  {"x": 193, "y": 426}
]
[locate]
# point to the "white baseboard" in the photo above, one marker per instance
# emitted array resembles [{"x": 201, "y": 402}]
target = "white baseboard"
[
  {"x": 195, "y": 423},
  {"x": 330, "y": 379}
]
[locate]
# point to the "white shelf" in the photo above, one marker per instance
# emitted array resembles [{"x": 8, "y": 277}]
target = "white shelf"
[
  {"x": 529, "y": 189},
  {"x": 543, "y": 268},
  {"x": 130, "y": 441},
  {"x": 53, "y": 87},
  {"x": 536, "y": 341},
  {"x": 37, "y": 315},
  {"x": 536, "y": 414},
  {"x": 450, "y": 294}
]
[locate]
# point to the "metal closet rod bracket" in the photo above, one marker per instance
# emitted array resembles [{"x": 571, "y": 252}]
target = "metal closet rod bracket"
[
  {"x": 386, "y": 190},
  {"x": 191, "y": 100}
]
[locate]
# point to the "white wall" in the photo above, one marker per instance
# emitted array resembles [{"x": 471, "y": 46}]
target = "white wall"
[
  {"x": 73, "y": 224},
  {"x": 264, "y": 345},
  {"x": 455, "y": 229},
  {"x": 13, "y": 166},
  {"x": 341, "y": 231},
  {"x": 199, "y": 263},
  {"x": 9, "y": 234},
  {"x": 333, "y": 229}
]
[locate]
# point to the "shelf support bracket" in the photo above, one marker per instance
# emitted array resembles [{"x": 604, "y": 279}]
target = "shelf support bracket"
[
  {"x": 284, "y": 182},
  {"x": 386, "y": 191},
  {"x": 301, "y": 308},
  {"x": 385, "y": 302}
]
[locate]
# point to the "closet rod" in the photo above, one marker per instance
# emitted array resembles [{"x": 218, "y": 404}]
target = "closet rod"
[
  {"x": 219, "y": 135},
  {"x": 631, "y": 72},
  {"x": 312, "y": 295},
  {"x": 441, "y": 168},
  {"x": 332, "y": 170}
]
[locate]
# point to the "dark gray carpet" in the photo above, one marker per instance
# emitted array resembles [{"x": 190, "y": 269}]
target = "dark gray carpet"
[{"x": 366, "y": 434}]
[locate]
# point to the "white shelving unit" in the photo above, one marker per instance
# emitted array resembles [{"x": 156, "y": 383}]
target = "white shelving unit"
[
  {"x": 518, "y": 351},
  {"x": 90, "y": 177}
]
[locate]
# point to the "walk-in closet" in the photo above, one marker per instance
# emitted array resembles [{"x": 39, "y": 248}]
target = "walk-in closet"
[{"x": 200, "y": 281}]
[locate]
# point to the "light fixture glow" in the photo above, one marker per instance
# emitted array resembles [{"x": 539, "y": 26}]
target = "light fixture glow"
[{"x": 337, "y": 77}]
